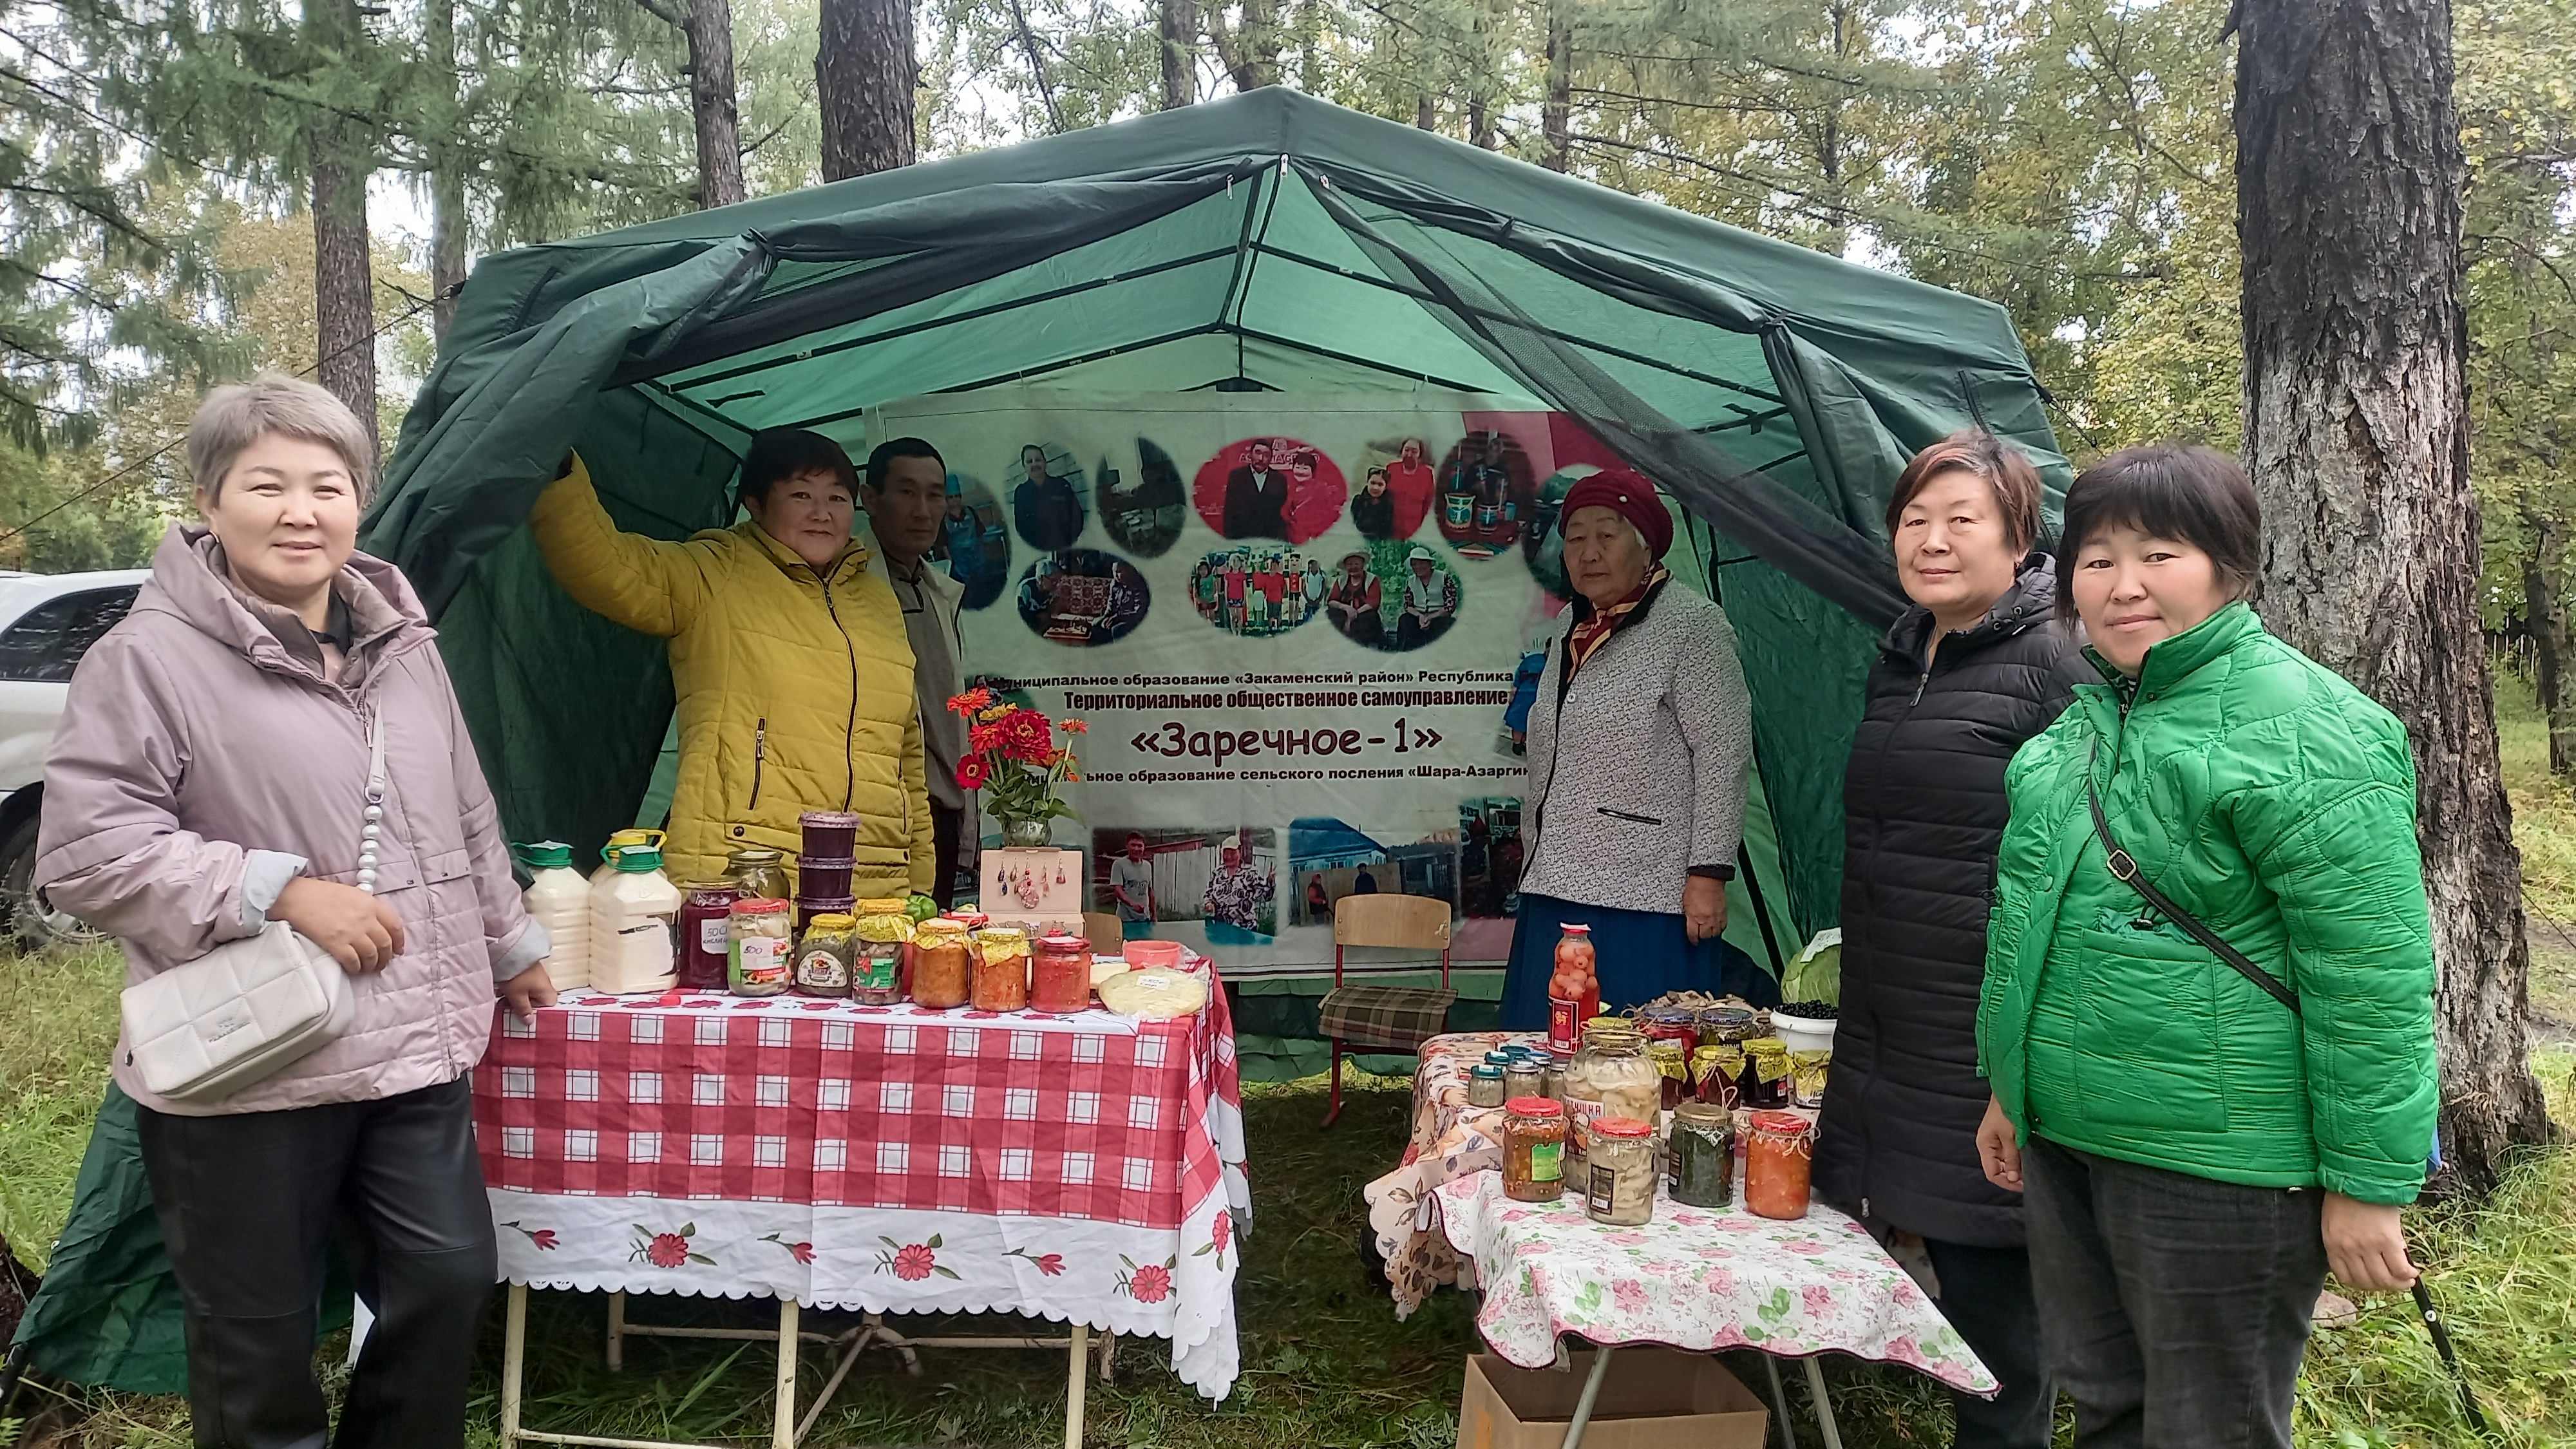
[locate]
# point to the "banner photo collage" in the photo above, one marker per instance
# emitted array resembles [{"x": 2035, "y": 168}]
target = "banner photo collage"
[{"x": 1305, "y": 631}]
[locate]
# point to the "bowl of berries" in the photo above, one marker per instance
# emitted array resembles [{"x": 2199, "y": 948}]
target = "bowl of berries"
[{"x": 1805, "y": 1026}]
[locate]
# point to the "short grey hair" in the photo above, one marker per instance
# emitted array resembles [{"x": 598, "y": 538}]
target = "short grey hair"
[{"x": 239, "y": 414}]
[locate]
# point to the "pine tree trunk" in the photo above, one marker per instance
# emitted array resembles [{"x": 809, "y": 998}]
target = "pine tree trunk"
[
  {"x": 2544, "y": 610},
  {"x": 1556, "y": 115},
  {"x": 1177, "y": 21},
  {"x": 344, "y": 287},
  {"x": 712, "y": 101},
  {"x": 447, "y": 220},
  {"x": 1425, "y": 116},
  {"x": 864, "y": 76},
  {"x": 2348, "y": 175}
]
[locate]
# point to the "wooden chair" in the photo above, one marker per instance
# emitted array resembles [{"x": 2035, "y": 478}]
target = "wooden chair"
[
  {"x": 1385, "y": 1018},
  {"x": 1101, "y": 928}
]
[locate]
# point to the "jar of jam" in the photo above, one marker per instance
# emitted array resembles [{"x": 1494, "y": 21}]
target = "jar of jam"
[
  {"x": 706, "y": 934},
  {"x": 1673, "y": 1024},
  {"x": 1765, "y": 1082},
  {"x": 824, "y": 955},
  {"x": 943, "y": 964},
  {"x": 1718, "y": 1073},
  {"x": 883, "y": 927},
  {"x": 759, "y": 963},
  {"x": 1673, "y": 1067},
  {"x": 1777, "y": 1156},
  {"x": 1699, "y": 1158},
  {"x": 1727, "y": 1025},
  {"x": 1533, "y": 1149},
  {"x": 761, "y": 874},
  {"x": 1060, "y": 977},
  {"x": 1002, "y": 969}
]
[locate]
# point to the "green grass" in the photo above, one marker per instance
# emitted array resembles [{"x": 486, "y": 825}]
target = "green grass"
[{"x": 1324, "y": 1360}]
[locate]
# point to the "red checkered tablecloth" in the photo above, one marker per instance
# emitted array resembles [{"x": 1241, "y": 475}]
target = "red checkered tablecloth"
[{"x": 1084, "y": 1168}]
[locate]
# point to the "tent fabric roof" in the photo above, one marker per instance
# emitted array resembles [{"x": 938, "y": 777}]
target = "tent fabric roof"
[{"x": 1269, "y": 239}]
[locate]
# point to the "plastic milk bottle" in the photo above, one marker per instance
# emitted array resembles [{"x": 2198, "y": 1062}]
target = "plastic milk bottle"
[
  {"x": 623, "y": 840},
  {"x": 559, "y": 900},
  {"x": 634, "y": 912}
]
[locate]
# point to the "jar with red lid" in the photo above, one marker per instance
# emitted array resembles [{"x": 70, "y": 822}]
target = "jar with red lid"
[
  {"x": 706, "y": 941},
  {"x": 1060, "y": 981},
  {"x": 1533, "y": 1149},
  {"x": 1777, "y": 1158}
]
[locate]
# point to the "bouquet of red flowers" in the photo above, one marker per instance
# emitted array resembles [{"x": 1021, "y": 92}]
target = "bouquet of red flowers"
[{"x": 1013, "y": 757}]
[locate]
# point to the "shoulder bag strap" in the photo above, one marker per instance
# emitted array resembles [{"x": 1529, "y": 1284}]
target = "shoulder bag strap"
[{"x": 2125, "y": 866}]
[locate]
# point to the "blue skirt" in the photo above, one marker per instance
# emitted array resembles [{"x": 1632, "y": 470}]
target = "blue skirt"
[{"x": 1640, "y": 955}]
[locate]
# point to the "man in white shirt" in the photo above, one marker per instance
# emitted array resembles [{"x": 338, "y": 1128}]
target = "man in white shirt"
[{"x": 905, "y": 494}]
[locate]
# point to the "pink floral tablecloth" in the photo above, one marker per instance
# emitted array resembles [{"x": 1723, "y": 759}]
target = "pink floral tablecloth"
[
  {"x": 1694, "y": 1278},
  {"x": 1450, "y": 1139}
]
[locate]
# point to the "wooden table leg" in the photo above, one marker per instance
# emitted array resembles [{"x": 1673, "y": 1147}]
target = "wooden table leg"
[
  {"x": 1074, "y": 1382},
  {"x": 1824, "y": 1407},
  {"x": 782, "y": 1423},
  {"x": 1591, "y": 1392},
  {"x": 514, "y": 1362},
  {"x": 617, "y": 1330},
  {"x": 852, "y": 1344},
  {"x": 1780, "y": 1401}
]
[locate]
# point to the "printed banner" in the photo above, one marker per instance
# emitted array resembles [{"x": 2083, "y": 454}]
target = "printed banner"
[{"x": 1305, "y": 631}]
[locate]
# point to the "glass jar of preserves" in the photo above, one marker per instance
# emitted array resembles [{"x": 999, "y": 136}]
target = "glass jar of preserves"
[
  {"x": 1485, "y": 1085},
  {"x": 1610, "y": 1077},
  {"x": 1777, "y": 1152},
  {"x": 1700, "y": 1156},
  {"x": 757, "y": 933},
  {"x": 1807, "y": 1072},
  {"x": 1765, "y": 1082},
  {"x": 1553, "y": 1064},
  {"x": 1673, "y": 1024},
  {"x": 1727, "y": 1025},
  {"x": 1619, "y": 1172},
  {"x": 1533, "y": 1149},
  {"x": 826, "y": 955},
  {"x": 943, "y": 964},
  {"x": 706, "y": 934},
  {"x": 1060, "y": 978},
  {"x": 1524, "y": 1076},
  {"x": 762, "y": 874},
  {"x": 1673, "y": 1067},
  {"x": 1573, "y": 988},
  {"x": 1002, "y": 969},
  {"x": 1717, "y": 1072},
  {"x": 884, "y": 929}
]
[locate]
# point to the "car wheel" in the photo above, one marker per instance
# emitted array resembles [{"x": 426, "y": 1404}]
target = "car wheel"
[{"x": 33, "y": 922}]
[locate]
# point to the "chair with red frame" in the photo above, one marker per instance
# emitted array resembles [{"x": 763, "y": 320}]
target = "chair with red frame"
[{"x": 1392, "y": 1019}]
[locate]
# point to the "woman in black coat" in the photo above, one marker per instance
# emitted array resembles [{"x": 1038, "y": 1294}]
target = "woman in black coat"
[{"x": 1975, "y": 668}]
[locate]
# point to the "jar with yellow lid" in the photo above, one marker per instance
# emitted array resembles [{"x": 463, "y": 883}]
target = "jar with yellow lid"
[
  {"x": 1002, "y": 969},
  {"x": 943, "y": 964},
  {"x": 825, "y": 955},
  {"x": 882, "y": 929}
]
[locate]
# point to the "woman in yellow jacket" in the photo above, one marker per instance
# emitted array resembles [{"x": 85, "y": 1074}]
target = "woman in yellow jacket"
[{"x": 789, "y": 655}]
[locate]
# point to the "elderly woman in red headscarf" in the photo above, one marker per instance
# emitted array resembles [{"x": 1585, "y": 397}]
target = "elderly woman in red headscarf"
[{"x": 1638, "y": 746}]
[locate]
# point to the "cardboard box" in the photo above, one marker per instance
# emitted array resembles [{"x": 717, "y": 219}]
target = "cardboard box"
[{"x": 1654, "y": 1398}]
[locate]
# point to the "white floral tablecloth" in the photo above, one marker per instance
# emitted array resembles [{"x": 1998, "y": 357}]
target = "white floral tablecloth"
[
  {"x": 1694, "y": 1278},
  {"x": 1450, "y": 1139}
]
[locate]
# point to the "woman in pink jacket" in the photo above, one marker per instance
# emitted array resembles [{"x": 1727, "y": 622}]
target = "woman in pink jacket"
[{"x": 210, "y": 775}]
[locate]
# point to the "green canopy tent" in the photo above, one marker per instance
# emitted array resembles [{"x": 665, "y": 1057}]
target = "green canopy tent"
[{"x": 1267, "y": 240}]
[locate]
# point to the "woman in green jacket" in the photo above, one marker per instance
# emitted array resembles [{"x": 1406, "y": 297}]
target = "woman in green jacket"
[{"x": 2195, "y": 1153}]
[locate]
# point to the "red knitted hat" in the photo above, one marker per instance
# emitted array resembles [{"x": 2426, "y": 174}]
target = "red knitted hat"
[{"x": 1627, "y": 495}]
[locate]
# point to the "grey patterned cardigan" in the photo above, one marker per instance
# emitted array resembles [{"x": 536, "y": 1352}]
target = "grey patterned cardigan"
[{"x": 1637, "y": 768}]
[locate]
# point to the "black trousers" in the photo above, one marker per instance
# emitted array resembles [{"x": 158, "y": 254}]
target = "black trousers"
[
  {"x": 249, "y": 1202},
  {"x": 2173, "y": 1309},
  {"x": 1985, "y": 1293},
  {"x": 948, "y": 843}
]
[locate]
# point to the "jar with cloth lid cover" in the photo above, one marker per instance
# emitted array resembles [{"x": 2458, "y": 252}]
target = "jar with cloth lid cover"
[
  {"x": 1002, "y": 969},
  {"x": 884, "y": 932},
  {"x": 943, "y": 964}
]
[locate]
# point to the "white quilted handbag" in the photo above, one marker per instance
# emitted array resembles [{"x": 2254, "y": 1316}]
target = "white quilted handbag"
[
  {"x": 205, "y": 1029},
  {"x": 202, "y": 1031}
]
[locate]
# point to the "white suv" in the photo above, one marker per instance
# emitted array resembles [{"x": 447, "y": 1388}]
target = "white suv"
[{"x": 47, "y": 622}]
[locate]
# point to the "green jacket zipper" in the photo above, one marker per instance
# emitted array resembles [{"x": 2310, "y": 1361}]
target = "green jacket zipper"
[{"x": 759, "y": 754}]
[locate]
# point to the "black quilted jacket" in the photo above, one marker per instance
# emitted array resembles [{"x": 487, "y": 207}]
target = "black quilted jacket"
[{"x": 1923, "y": 810}]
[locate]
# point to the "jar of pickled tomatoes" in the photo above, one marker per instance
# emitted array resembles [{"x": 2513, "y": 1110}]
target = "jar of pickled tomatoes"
[{"x": 1573, "y": 989}]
